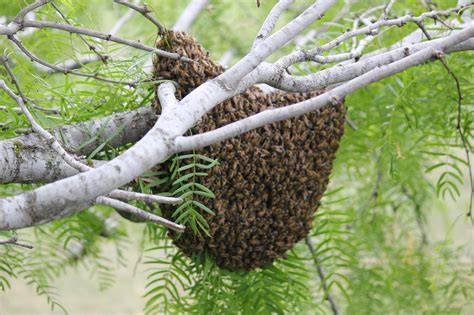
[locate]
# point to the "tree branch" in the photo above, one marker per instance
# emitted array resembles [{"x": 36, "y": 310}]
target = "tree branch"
[
  {"x": 145, "y": 11},
  {"x": 70, "y": 195},
  {"x": 14, "y": 241},
  {"x": 29, "y": 159},
  {"x": 330, "y": 298},
  {"x": 276, "y": 77},
  {"x": 73, "y": 64},
  {"x": 189, "y": 14},
  {"x": 271, "y": 20},
  {"x": 119, "y": 205},
  {"x": 103, "y": 36},
  {"x": 333, "y": 96}
]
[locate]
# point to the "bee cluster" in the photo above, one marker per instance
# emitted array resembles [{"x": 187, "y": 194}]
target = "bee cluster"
[{"x": 269, "y": 181}]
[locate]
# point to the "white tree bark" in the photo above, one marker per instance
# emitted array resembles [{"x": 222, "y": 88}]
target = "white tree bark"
[
  {"x": 189, "y": 14},
  {"x": 70, "y": 195},
  {"x": 29, "y": 159}
]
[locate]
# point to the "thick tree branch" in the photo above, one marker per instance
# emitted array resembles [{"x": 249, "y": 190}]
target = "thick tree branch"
[
  {"x": 331, "y": 97},
  {"x": 276, "y": 77},
  {"x": 81, "y": 167},
  {"x": 29, "y": 159}
]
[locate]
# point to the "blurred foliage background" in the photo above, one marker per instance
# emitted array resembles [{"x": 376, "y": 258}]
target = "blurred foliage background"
[{"x": 392, "y": 233}]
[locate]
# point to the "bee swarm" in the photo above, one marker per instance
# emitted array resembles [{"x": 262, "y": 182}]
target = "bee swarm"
[{"x": 270, "y": 180}]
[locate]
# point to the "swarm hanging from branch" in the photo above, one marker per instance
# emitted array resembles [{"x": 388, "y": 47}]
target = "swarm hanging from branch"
[{"x": 269, "y": 181}]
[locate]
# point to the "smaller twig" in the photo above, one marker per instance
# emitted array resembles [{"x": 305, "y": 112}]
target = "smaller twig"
[
  {"x": 387, "y": 8},
  {"x": 189, "y": 14},
  {"x": 91, "y": 47},
  {"x": 131, "y": 195},
  {"x": 14, "y": 241},
  {"x": 464, "y": 141},
  {"x": 66, "y": 70},
  {"x": 4, "y": 62},
  {"x": 19, "y": 18},
  {"x": 352, "y": 124},
  {"x": 271, "y": 20},
  {"x": 119, "y": 205},
  {"x": 322, "y": 276},
  {"x": 145, "y": 11},
  {"x": 72, "y": 64},
  {"x": 53, "y": 111},
  {"x": 103, "y": 36},
  {"x": 370, "y": 30},
  {"x": 374, "y": 194}
]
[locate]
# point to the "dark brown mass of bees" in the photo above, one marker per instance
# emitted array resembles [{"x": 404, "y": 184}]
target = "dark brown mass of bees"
[{"x": 269, "y": 181}]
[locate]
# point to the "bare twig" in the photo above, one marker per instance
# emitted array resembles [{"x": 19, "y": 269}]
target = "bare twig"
[
  {"x": 441, "y": 57},
  {"x": 73, "y": 64},
  {"x": 315, "y": 53},
  {"x": 119, "y": 205},
  {"x": 131, "y": 195},
  {"x": 145, "y": 11},
  {"x": 19, "y": 18},
  {"x": 68, "y": 70},
  {"x": 189, "y": 14},
  {"x": 271, "y": 20},
  {"x": 317, "y": 261},
  {"x": 14, "y": 241},
  {"x": 103, "y": 36},
  {"x": 91, "y": 47}
]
